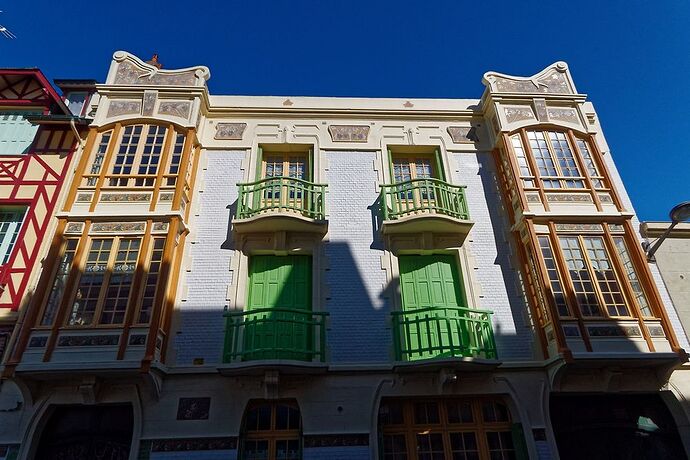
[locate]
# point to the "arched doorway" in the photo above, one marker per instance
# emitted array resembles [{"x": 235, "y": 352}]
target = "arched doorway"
[
  {"x": 87, "y": 432},
  {"x": 271, "y": 430}
]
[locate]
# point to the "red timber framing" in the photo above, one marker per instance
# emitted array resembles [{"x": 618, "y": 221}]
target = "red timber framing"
[
  {"x": 32, "y": 181},
  {"x": 519, "y": 175}
]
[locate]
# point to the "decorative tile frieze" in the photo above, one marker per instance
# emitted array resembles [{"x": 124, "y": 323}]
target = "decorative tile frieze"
[
  {"x": 166, "y": 196},
  {"x": 616, "y": 330},
  {"x": 84, "y": 197},
  {"x": 656, "y": 331},
  {"x": 175, "y": 108},
  {"x": 116, "y": 108},
  {"x": 349, "y": 133},
  {"x": 75, "y": 227},
  {"x": 616, "y": 228},
  {"x": 533, "y": 197},
  {"x": 191, "y": 444},
  {"x": 137, "y": 339},
  {"x": 605, "y": 198},
  {"x": 125, "y": 197},
  {"x": 514, "y": 114},
  {"x": 150, "y": 98},
  {"x": 88, "y": 340},
  {"x": 38, "y": 342},
  {"x": 118, "y": 227},
  {"x": 336, "y": 440},
  {"x": 193, "y": 408},
  {"x": 230, "y": 131},
  {"x": 160, "y": 226},
  {"x": 569, "y": 197},
  {"x": 587, "y": 228},
  {"x": 571, "y": 331},
  {"x": 463, "y": 134},
  {"x": 567, "y": 115}
]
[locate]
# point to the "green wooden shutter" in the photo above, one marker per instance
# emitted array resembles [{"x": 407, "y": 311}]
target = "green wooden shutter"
[
  {"x": 439, "y": 165},
  {"x": 16, "y": 133},
  {"x": 431, "y": 292},
  {"x": 519, "y": 442},
  {"x": 279, "y": 282}
]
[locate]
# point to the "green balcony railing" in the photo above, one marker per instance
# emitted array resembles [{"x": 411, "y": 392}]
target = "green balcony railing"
[
  {"x": 281, "y": 194},
  {"x": 447, "y": 332},
  {"x": 275, "y": 333},
  {"x": 417, "y": 196}
]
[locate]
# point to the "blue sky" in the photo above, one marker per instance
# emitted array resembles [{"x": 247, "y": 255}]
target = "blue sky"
[{"x": 631, "y": 57}]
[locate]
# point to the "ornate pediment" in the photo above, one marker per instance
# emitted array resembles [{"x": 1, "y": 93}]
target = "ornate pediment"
[
  {"x": 128, "y": 69},
  {"x": 555, "y": 79}
]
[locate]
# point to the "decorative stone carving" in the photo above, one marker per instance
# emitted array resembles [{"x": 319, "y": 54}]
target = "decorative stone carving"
[
  {"x": 568, "y": 115},
  {"x": 149, "y": 102},
  {"x": 184, "y": 445},
  {"x": 125, "y": 197},
  {"x": 514, "y": 114},
  {"x": 84, "y": 197},
  {"x": 116, "y": 108},
  {"x": 88, "y": 340},
  {"x": 605, "y": 198},
  {"x": 133, "y": 71},
  {"x": 175, "y": 108},
  {"x": 336, "y": 440},
  {"x": 166, "y": 196},
  {"x": 349, "y": 133},
  {"x": 118, "y": 227},
  {"x": 230, "y": 131},
  {"x": 555, "y": 79},
  {"x": 463, "y": 134},
  {"x": 193, "y": 408},
  {"x": 74, "y": 227},
  {"x": 533, "y": 197}
]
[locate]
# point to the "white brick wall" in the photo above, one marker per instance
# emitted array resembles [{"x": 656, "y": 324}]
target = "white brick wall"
[
  {"x": 195, "y": 455},
  {"x": 200, "y": 322},
  {"x": 359, "y": 316},
  {"x": 337, "y": 453},
  {"x": 488, "y": 241}
]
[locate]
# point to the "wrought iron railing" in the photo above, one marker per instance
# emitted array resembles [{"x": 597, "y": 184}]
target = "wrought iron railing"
[
  {"x": 446, "y": 332},
  {"x": 281, "y": 194},
  {"x": 418, "y": 196},
  {"x": 275, "y": 333}
]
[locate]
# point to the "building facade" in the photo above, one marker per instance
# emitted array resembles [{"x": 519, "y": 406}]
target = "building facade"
[{"x": 297, "y": 277}]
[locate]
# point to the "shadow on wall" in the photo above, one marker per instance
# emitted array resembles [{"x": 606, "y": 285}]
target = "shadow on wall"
[{"x": 504, "y": 258}]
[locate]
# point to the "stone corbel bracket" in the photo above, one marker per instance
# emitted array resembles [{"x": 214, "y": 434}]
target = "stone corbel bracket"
[
  {"x": 127, "y": 69},
  {"x": 554, "y": 79}
]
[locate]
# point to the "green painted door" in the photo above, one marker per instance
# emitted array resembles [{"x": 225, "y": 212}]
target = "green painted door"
[
  {"x": 431, "y": 294},
  {"x": 279, "y": 308}
]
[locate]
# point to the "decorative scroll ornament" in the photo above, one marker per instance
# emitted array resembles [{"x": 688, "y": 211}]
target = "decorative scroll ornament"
[
  {"x": 555, "y": 79},
  {"x": 514, "y": 114},
  {"x": 349, "y": 133},
  {"x": 124, "y": 108},
  {"x": 175, "y": 108},
  {"x": 230, "y": 131},
  {"x": 130, "y": 70},
  {"x": 463, "y": 134}
]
